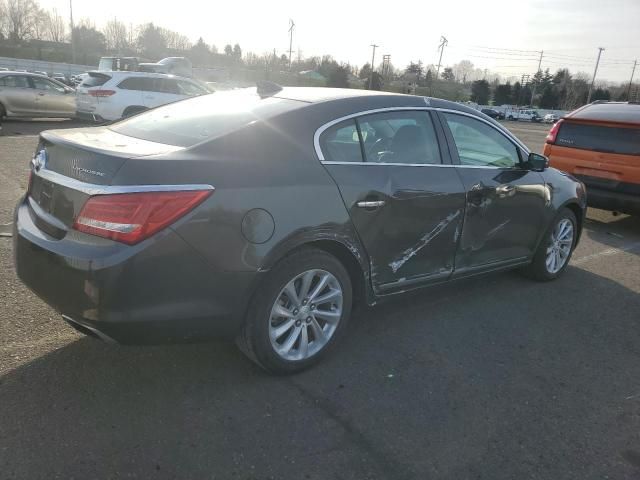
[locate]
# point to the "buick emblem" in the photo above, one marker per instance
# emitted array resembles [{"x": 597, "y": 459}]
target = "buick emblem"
[{"x": 40, "y": 160}]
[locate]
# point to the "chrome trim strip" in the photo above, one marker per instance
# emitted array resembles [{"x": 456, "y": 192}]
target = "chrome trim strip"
[
  {"x": 320, "y": 131},
  {"x": 93, "y": 189},
  {"x": 439, "y": 165}
]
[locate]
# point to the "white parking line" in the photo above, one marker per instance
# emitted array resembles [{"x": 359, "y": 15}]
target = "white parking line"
[{"x": 605, "y": 253}]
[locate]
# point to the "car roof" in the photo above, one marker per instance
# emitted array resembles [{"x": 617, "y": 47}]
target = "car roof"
[
  {"x": 29, "y": 74},
  {"x": 120, "y": 73},
  {"x": 615, "y": 112}
]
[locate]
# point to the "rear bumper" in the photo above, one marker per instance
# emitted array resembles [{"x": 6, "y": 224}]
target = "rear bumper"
[
  {"x": 614, "y": 201},
  {"x": 159, "y": 291}
]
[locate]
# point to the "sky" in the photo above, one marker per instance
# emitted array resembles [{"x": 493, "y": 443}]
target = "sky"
[{"x": 504, "y": 36}]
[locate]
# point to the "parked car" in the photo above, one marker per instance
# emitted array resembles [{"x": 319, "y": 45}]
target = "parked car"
[
  {"x": 108, "y": 96},
  {"x": 551, "y": 118},
  {"x": 493, "y": 113},
  {"x": 34, "y": 96},
  {"x": 173, "y": 65},
  {"x": 600, "y": 144},
  {"x": 526, "y": 115},
  {"x": 266, "y": 216}
]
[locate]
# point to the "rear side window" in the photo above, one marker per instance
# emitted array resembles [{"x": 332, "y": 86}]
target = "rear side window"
[
  {"x": 137, "y": 83},
  {"x": 203, "y": 118},
  {"x": 95, "y": 80},
  {"x": 624, "y": 141},
  {"x": 165, "y": 85},
  {"x": 341, "y": 143},
  {"x": 14, "y": 81}
]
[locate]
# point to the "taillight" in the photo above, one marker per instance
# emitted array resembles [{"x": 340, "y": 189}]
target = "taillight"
[
  {"x": 133, "y": 217},
  {"x": 101, "y": 93},
  {"x": 553, "y": 133}
]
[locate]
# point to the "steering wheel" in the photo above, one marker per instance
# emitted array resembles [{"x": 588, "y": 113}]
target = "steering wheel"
[{"x": 379, "y": 146}]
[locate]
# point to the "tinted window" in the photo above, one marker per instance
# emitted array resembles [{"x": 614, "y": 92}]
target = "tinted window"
[
  {"x": 625, "y": 141},
  {"x": 191, "y": 89},
  {"x": 165, "y": 85},
  {"x": 44, "y": 84},
  {"x": 14, "y": 81},
  {"x": 95, "y": 80},
  {"x": 340, "y": 143},
  {"x": 137, "y": 83},
  {"x": 197, "y": 119},
  {"x": 399, "y": 137},
  {"x": 479, "y": 144}
]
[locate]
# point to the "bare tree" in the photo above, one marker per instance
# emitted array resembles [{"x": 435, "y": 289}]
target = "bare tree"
[
  {"x": 116, "y": 35},
  {"x": 20, "y": 18},
  {"x": 55, "y": 27},
  {"x": 175, "y": 40},
  {"x": 39, "y": 24}
]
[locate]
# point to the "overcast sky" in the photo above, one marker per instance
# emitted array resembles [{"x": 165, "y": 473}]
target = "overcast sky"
[{"x": 569, "y": 31}]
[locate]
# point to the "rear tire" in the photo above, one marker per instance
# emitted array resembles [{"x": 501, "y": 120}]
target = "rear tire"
[
  {"x": 555, "y": 249},
  {"x": 284, "y": 335}
]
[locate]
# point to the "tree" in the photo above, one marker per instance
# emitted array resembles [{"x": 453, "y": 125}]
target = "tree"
[
  {"x": 20, "y": 19},
  {"x": 502, "y": 94},
  {"x": 88, "y": 39},
  {"x": 480, "y": 92},
  {"x": 151, "y": 42},
  {"x": 415, "y": 69},
  {"x": 200, "y": 53},
  {"x": 462, "y": 70},
  {"x": 228, "y": 49},
  {"x": 600, "y": 94},
  {"x": 365, "y": 72},
  {"x": 377, "y": 81},
  {"x": 237, "y": 52},
  {"x": 516, "y": 92},
  {"x": 448, "y": 75},
  {"x": 338, "y": 77},
  {"x": 55, "y": 27},
  {"x": 115, "y": 35},
  {"x": 548, "y": 98}
]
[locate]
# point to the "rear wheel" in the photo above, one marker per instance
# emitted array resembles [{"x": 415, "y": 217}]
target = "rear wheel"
[
  {"x": 555, "y": 249},
  {"x": 298, "y": 313}
]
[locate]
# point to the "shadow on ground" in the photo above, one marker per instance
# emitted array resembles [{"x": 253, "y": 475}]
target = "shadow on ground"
[{"x": 495, "y": 378}]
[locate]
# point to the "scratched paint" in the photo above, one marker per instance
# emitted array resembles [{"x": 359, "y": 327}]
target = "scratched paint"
[
  {"x": 495, "y": 230},
  {"x": 424, "y": 241}
]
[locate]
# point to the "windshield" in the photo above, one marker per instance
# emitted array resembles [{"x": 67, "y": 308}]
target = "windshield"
[{"x": 194, "y": 120}]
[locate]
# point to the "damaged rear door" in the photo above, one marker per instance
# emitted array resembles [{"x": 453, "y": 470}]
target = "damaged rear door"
[
  {"x": 506, "y": 202},
  {"x": 404, "y": 197}
]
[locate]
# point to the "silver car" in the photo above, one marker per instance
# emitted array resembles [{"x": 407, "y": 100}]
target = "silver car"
[{"x": 35, "y": 96}]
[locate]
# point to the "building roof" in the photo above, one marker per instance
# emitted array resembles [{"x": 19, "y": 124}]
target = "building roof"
[{"x": 616, "y": 112}]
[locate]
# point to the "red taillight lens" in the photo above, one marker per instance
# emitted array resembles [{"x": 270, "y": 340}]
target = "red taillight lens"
[
  {"x": 553, "y": 133},
  {"x": 101, "y": 93},
  {"x": 132, "y": 217}
]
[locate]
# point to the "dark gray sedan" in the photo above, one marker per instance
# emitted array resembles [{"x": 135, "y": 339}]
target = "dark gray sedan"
[{"x": 266, "y": 215}]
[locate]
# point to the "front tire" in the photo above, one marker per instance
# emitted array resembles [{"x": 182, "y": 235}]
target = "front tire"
[
  {"x": 555, "y": 249},
  {"x": 298, "y": 313}
]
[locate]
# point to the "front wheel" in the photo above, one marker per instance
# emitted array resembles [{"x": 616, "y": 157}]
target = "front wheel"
[
  {"x": 555, "y": 249},
  {"x": 298, "y": 312}
]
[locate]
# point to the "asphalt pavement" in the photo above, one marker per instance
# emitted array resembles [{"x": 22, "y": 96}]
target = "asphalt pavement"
[{"x": 492, "y": 378}]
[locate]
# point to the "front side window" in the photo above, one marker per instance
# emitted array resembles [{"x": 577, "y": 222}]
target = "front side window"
[
  {"x": 44, "y": 84},
  {"x": 191, "y": 89},
  {"x": 399, "y": 137},
  {"x": 340, "y": 143},
  {"x": 479, "y": 144}
]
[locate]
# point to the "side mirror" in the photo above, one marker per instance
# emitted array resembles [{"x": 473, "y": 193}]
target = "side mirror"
[{"x": 537, "y": 162}]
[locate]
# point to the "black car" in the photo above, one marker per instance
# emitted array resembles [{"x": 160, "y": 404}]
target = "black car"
[
  {"x": 266, "y": 215},
  {"x": 490, "y": 112}
]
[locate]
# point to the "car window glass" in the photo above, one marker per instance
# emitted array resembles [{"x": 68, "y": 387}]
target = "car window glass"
[
  {"x": 400, "y": 137},
  {"x": 44, "y": 84},
  {"x": 479, "y": 144},
  {"x": 137, "y": 83},
  {"x": 188, "y": 88},
  {"x": 165, "y": 85},
  {"x": 15, "y": 81},
  {"x": 340, "y": 143}
]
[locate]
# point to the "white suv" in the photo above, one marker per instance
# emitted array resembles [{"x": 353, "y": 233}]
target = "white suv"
[{"x": 108, "y": 96}]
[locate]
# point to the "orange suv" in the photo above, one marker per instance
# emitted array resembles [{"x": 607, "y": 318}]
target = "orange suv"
[{"x": 600, "y": 145}]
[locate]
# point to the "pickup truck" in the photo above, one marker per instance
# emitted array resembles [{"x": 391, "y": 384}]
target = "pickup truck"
[{"x": 526, "y": 115}]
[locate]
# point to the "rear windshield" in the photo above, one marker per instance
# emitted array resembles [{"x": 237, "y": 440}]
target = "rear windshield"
[
  {"x": 624, "y": 141},
  {"x": 197, "y": 119},
  {"x": 95, "y": 80}
]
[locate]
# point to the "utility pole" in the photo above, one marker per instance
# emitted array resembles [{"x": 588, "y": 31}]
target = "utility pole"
[
  {"x": 593, "y": 80},
  {"x": 73, "y": 44},
  {"x": 631, "y": 81},
  {"x": 373, "y": 59},
  {"x": 290, "y": 40},
  {"x": 443, "y": 43},
  {"x": 523, "y": 79},
  {"x": 533, "y": 93},
  {"x": 386, "y": 61}
]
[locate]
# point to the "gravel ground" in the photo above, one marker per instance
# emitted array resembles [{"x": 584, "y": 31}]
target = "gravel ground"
[{"x": 492, "y": 378}]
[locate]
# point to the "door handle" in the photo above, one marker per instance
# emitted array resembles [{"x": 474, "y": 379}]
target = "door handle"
[
  {"x": 371, "y": 203},
  {"x": 41, "y": 94},
  {"x": 505, "y": 190}
]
